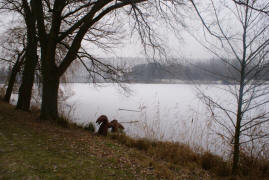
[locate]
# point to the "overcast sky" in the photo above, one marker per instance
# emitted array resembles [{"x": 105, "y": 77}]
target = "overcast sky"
[
  {"x": 185, "y": 46},
  {"x": 182, "y": 45}
]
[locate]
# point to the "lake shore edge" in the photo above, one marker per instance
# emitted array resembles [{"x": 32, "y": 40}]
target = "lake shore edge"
[{"x": 40, "y": 150}]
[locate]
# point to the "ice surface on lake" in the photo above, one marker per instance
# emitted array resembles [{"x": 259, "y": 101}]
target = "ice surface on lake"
[
  {"x": 163, "y": 111},
  {"x": 172, "y": 112}
]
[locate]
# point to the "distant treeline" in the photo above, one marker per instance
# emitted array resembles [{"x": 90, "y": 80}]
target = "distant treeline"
[
  {"x": 172, "y": 72},
  {"x": 207, "y": 70}
]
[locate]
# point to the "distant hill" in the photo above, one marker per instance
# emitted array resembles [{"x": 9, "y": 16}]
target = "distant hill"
[{"x": 142, "y": 70}]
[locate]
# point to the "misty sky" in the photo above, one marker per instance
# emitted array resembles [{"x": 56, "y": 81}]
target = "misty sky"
[
  {"x": 182, "y": 45},
  {"x": 185, "y": 46}
]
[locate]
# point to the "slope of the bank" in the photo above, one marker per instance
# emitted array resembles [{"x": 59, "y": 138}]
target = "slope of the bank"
[{"x": 31, "y": 149}]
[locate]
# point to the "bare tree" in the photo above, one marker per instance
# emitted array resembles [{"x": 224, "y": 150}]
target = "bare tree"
[
  {"x": 22, "y": 9},
  {"x": 60, "y": 20},
  {"x": 31, "y": 59},
  {"x": 258, "y": 6},
  {"x": 244, "y": 40},
  {"x": 13, "y": 51},
  {"x": 12, "y": 78}
]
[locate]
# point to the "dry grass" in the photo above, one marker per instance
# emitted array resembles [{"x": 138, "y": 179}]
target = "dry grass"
[
  {"x": 180, "y": 155},
  {"x": 2, "y": 92},
  {"x": 47, "y": 150},
  {"x": 90, "y": 127},
  {"x": 215, "y": 164},
  {"x": 33, "y": 149},
  {"x": 253, "y": 167}
]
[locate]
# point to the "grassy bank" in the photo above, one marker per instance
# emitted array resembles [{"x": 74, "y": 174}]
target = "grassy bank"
[{"x": 33, "y": 149}]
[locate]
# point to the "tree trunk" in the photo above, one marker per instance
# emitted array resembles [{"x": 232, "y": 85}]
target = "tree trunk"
[
  {"x": 49, "y": 106},
  {"x": 16, "y": 68},
  {"x": 25, "y": 91},
  {"x": 239, "y": 115},
  {"x": 236, "y": 151}
]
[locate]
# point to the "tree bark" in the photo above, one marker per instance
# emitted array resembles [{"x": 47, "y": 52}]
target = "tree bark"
[
  {"x": 16, "y": 68},
  {"x": 25, "y": 91},
  {"x": 236, "y": 153},
  {"x": 49, "y": 105}
]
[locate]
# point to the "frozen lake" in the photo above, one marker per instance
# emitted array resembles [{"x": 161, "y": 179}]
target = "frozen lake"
[
  {"x": 162, "y": 111},
  {"x": 173, "y": 112}
]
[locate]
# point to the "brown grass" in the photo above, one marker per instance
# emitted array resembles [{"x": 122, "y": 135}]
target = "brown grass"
[
  {"x": 2, "y": 93},
  {"x": 34, "y": 148},
  {"x": 180, "y": 155}
]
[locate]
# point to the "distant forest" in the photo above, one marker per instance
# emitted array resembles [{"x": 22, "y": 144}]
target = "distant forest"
[
  {"x": 207, "y": 71},
  {"x": 174, "y": 71}
]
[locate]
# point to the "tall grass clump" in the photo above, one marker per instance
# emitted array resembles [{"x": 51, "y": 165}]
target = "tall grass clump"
[
  {"x": 167, "y": 125},
  {"x": 66, "y": 111},
  {"x": 168, "y": 151},
  {"x": 90, "y": 127},
  {"x": 254, "y": 166},
  {"x": 215, "y": 164},
  {"x": 64, "y": 121},
  {"x": 182, "y": 155},
  {"x": 190, "y": 153},
  {"x": 2, "y": 92}
]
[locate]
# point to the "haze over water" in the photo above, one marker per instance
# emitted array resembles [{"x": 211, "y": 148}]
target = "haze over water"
[{"x": 163, "y": 111}]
